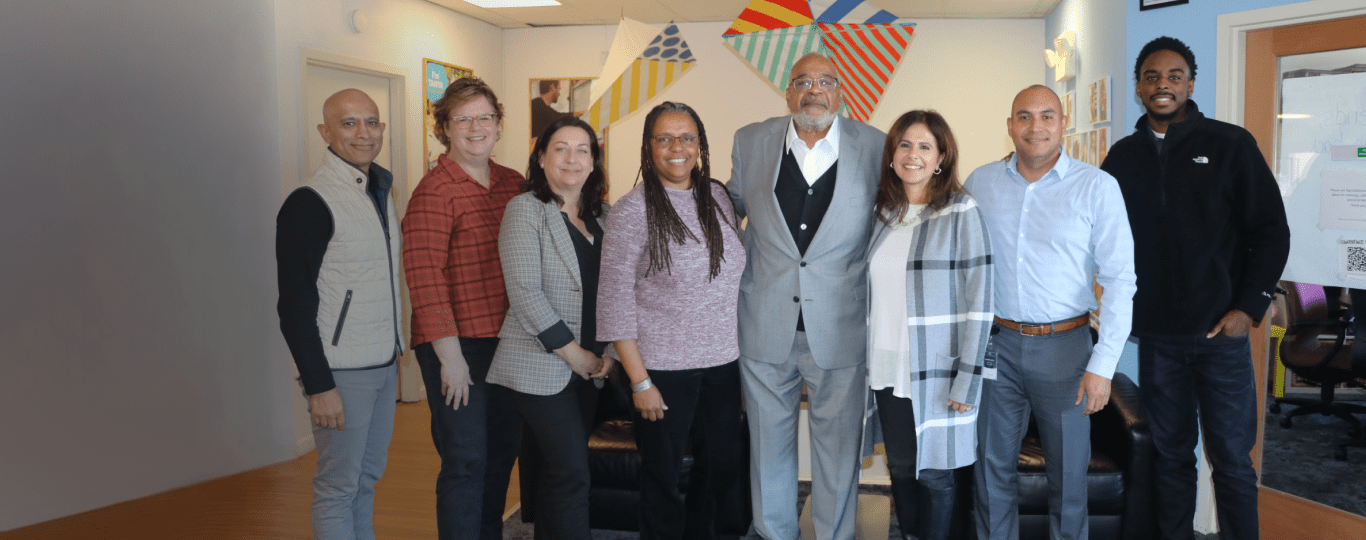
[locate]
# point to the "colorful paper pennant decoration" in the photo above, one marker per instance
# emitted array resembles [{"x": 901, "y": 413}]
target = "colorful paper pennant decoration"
[
  {"x": 865, "y": 42},
  {"x": 771, "y": 53},
  {"x": 769, "y": 15},
  {"x": 663, "y": 60},
  {"x": 866, "y": 56}
]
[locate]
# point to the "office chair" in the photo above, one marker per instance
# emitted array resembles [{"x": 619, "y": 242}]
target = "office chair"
[
  {"x": 1358, "y": 360},
  {"x": 1323, "y": 363}
]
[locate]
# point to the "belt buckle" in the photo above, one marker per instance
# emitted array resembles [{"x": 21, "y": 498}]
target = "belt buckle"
[{"x": 1023, "y": 326}]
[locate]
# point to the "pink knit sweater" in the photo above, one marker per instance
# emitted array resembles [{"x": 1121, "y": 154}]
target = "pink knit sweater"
[{"x": 680, "y": 319}]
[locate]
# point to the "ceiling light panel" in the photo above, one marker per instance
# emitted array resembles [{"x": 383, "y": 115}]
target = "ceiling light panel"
[{"x": 492, "y": 4}]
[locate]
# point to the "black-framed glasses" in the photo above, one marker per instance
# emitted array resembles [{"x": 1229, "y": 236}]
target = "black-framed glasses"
[
  {"x": 668, "y": 140},
  {"x": 805, "y": 83},
  {"x": 483, "y": 120}
]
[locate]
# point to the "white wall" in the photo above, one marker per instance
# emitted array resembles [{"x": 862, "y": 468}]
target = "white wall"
[
  {"x": 141, "y": 350},
  {"x": 969, "y": 70},
  {"x": 401, "y": 34}
]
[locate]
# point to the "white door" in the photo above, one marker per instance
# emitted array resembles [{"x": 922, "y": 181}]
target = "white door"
[{"x": 320, "y": 82}]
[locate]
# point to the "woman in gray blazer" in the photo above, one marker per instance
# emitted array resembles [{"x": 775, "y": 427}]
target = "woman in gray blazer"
[
  {"x": 550, "y": 246},
  {"x": 929, "y": 268}
]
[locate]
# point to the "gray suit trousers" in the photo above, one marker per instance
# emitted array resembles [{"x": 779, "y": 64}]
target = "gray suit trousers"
[
  {"x": 1038, "y": 374},
  {"x": 836, "y": 398}
]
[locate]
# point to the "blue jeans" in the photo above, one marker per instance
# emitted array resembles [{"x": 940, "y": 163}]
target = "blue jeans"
[
  {"x": 1212, "y": 380},
  {"x": 351, "y": 461},
  {"x": 477, "y": 446}
]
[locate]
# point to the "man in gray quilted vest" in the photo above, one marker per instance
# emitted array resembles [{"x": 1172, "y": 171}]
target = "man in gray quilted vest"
[{"x": 338, "y": 256}]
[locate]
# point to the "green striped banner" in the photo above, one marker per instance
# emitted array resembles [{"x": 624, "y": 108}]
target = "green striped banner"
[{"x": 772, "y": 52}]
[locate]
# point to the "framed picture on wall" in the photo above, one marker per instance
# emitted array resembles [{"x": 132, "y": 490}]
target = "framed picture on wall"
[
  {"x": 552, "y": 99},
  {"x": 1068, "y": 100},
  {"x": 1101, "y": 144},
  {"x": 1144, "y": 5},
  {"x": 438, "y": 76},
  {"x": 1100, "y": 100}
]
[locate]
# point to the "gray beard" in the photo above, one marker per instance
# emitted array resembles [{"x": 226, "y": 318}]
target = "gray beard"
[{"x": 820, "y": 123}]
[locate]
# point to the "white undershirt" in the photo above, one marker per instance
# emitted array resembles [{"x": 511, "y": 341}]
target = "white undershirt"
[
  {"x": 814, "y": 161},
  {"x": 888, "y": 367}
]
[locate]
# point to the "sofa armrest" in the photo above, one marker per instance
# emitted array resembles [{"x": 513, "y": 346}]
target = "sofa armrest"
[{"x": 1120, "y": 430}]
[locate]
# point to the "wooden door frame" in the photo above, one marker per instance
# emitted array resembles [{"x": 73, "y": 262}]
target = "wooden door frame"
[{"x": 1283, "y": 516}]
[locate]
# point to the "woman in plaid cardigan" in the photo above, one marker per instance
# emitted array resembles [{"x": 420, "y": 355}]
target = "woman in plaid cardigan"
[{"x": 931, "y": 312}]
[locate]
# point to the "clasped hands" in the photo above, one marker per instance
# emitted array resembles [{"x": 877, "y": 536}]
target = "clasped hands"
[{"x": 584, "y": 363}]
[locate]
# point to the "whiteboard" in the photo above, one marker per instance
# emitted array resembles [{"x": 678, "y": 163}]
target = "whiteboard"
[{"x": 1321, "y": 169}]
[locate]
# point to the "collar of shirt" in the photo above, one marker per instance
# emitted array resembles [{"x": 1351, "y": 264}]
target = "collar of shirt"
[
  {"x": 1058, "y": 171},
  {"x": 458, "y": 175},
  {"x": 376, "y": 184},
  {"x": 816, "y": 160}
]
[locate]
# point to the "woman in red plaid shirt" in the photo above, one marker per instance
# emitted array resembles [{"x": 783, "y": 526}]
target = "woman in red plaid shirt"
[{"x": 455, "y": 279}]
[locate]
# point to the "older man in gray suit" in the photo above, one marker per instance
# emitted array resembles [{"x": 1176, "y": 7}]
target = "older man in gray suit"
[{"x": 806, "y": 182}]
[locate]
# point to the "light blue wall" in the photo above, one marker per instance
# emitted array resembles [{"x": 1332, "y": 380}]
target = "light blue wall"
[
  {"x": 1196, "y": 24},
  {"x": 1097, "y": 24}
]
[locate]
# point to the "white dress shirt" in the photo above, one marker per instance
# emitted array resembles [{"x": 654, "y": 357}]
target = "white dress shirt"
[{"x": 815, "y": 161}]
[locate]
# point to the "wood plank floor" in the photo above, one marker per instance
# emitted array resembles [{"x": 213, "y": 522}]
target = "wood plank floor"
[{"x": 272, "y": 502}]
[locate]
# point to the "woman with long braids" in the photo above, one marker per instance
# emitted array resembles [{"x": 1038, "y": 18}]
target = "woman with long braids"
[{"x": 670, "y": 280}]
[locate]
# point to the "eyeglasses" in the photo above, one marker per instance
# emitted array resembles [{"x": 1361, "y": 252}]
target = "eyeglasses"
[
  {"x": 483, "y": 120},
  {"x": 805, "y": 84},
  {"x": 668, "y": 140}
]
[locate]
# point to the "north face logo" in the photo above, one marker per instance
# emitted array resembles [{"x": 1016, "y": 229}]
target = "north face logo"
[{"x": 1202, "y": 159}]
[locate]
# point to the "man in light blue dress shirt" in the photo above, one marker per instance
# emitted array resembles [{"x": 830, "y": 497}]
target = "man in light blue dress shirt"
[{"x": 1055, "y": 224}]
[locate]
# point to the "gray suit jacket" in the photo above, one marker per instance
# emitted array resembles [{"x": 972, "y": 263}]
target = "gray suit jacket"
[
  {"x": 829, "y": 283},
  {"x": 544, "y": 287}
]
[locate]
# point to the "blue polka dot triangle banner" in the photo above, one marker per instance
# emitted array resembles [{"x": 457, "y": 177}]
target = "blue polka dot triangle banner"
[
  {"x": 658, "y": 66},
  {"x": 668, "y": 46}
]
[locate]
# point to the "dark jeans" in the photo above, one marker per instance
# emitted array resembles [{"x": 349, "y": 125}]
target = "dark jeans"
[
  {"x": 477, "y": 444},
  {"x": 1209, "y": 379},
  {"x": 924, "y": 506},
  {"x": 704, "y": 404},
  {"x": 558, "y": 427}
]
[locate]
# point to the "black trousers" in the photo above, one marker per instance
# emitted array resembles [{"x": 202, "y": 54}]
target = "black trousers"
[
  {"x": 924, "y": 506},
  {"x": 704, "y": 407},
  {"x": 477, "y": 444},
  {"x": 557, "y": 431}
]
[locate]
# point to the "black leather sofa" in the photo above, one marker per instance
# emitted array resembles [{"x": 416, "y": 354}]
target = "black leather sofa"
[{"x": 1120, "y": 485}]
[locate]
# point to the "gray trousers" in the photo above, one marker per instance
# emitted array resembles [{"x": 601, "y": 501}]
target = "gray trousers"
[
  {"x": 351, "y": 461},
  {"x": 1038, "y": 374},
  {"x": 835, "y": 399}
]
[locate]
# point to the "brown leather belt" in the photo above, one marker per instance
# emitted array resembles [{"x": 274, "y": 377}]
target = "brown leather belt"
[{"x": 1045, "y": 328}]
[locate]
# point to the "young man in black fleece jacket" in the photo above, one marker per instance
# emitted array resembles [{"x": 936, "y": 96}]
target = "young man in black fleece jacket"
[{"x": 1210, "y": 241}]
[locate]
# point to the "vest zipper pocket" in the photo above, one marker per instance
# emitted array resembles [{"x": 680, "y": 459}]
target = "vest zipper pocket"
[{"x": 341, "y": 319}]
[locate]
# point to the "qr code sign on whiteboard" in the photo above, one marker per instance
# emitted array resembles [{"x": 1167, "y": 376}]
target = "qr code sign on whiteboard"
[
  {"x": 1356, "y": 259},
  {"x": 1352, "y": 257}
]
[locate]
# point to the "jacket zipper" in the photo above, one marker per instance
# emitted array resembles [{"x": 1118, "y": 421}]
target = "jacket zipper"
[
  {"x": 341, "y": 319},
  {"x": 389, "y": 250}
]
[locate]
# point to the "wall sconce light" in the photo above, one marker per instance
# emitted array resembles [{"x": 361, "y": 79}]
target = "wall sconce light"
[
  {"x": 1063, "y": 57},
  {"x": 359, "y": 21}
]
